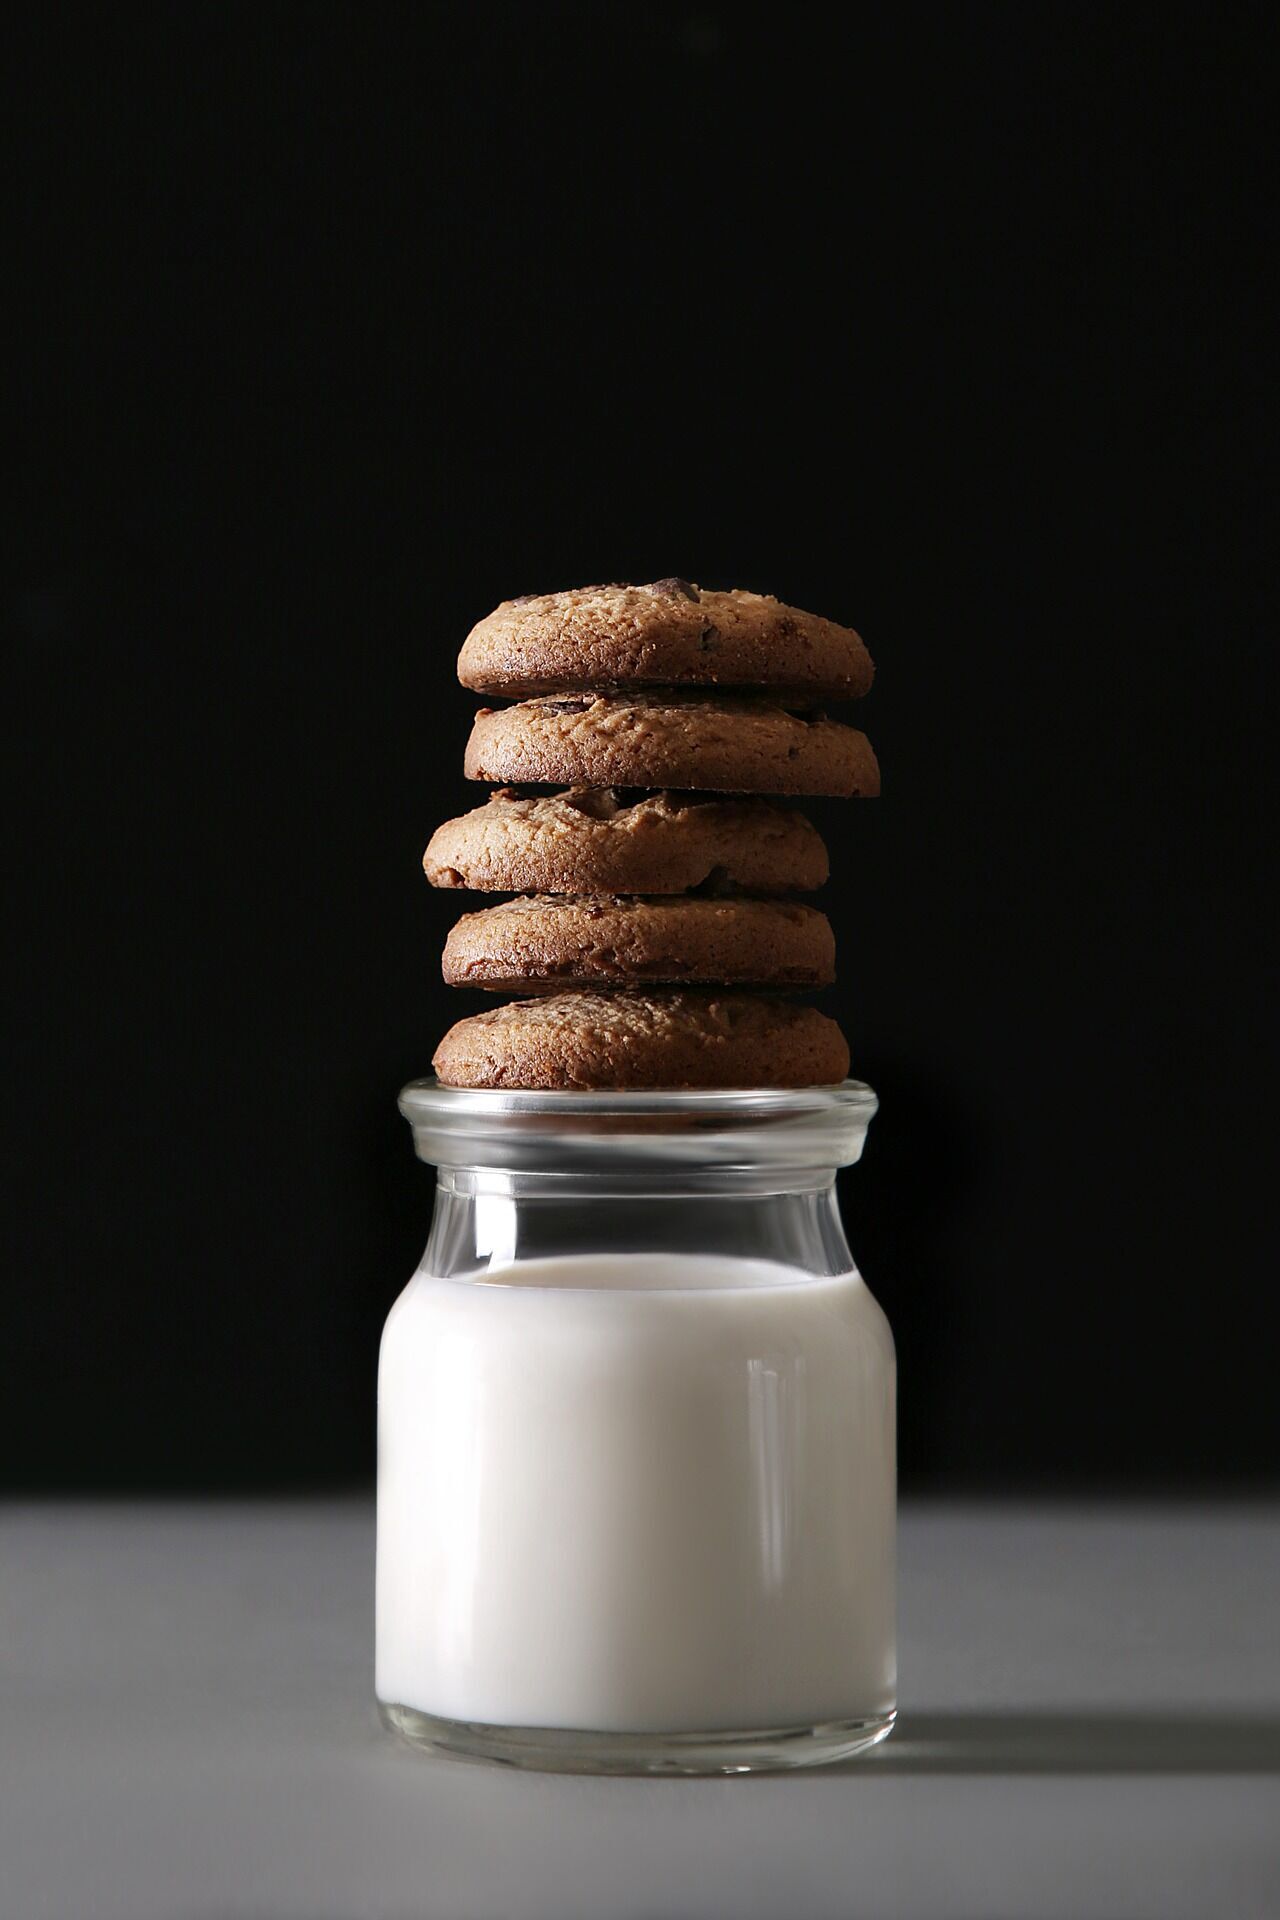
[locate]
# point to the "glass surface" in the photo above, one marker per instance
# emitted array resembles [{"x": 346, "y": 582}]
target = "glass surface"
[
  {"x": 694, "y": 1134},
  {"x": 555, "y": 1750},
  {"x": 636, "y": 1437}
]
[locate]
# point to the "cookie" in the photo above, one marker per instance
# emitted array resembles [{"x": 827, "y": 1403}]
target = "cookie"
[
  {"x": 597, "y": 840},
  {"x": 669, "y": 634},
  {"x": 644, "y": 1039},
  {"x": 543, "y": 944},
  {"x": 670, "y": 740}
]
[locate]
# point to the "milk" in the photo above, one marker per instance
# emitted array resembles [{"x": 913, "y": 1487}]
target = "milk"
[{"x": 637, "y": 1492}]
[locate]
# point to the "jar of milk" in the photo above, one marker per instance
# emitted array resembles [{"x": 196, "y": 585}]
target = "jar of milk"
[{"x": 636, "y": 1469}]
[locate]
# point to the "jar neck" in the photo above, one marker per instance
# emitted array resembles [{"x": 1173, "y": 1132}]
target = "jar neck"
[
  {"x": 765, "y": 1139},
  {"x": 486, "y": 1218}
]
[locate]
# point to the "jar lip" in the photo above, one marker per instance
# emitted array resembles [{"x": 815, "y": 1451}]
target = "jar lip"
[
  {"x": 694, "y": 1128},
  {"x": 430, "y": 1099}
]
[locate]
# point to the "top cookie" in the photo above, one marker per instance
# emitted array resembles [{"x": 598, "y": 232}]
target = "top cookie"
[{"x": 668, "y": 634}]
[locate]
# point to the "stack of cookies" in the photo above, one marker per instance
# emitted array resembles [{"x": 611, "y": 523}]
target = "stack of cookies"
[{"x": 654, "y": 921}]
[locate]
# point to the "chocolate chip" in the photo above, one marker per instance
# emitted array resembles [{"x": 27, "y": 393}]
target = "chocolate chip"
[
  {"x": 677, "y": 588},
  {"x": 716, "y": 886},
  {"x": 707, "y": 639},
  {"x": 597, "y": 803}
]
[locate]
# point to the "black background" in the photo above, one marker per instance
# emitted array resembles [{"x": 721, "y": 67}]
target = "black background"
[{"x": 338, "y": 325}]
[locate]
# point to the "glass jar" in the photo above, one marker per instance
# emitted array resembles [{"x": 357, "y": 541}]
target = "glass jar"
[{"x": 636, "y": 1442}]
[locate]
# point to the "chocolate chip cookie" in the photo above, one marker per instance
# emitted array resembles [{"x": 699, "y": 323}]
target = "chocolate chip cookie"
[
  {"x": 545, "y": 944},
  {"x": 644, "y": 1039},
  {"x": 600, "y": 840},
  {"x": 717, "y": 744},
  {"x": 668, "y": 634}
]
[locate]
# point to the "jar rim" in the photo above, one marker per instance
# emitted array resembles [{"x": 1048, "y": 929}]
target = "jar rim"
[
  {"x": 817, "y": 1128},
  {"x": 430, "y": 1096}
]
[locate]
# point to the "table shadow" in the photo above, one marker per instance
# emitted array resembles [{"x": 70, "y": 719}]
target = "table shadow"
[{"x": 1120, "y": 1742}]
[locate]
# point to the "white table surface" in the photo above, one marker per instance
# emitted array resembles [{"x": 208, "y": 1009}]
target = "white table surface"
[{"x": 1090, "y": 1725}]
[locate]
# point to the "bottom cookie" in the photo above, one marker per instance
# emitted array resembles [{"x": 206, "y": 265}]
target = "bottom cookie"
[{"x": 576, "y": 1041}]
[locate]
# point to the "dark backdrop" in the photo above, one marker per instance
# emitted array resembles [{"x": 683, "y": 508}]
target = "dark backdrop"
[{"x": 339, "y": 324}]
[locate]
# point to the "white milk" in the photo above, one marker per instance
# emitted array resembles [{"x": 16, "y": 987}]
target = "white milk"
[{"x": 637, "y": 1492}]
